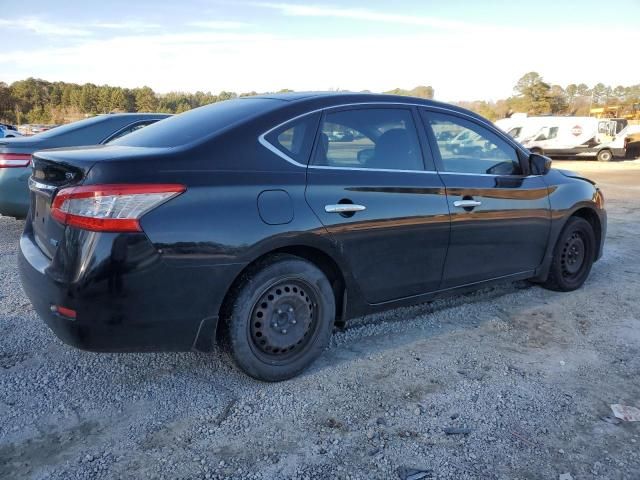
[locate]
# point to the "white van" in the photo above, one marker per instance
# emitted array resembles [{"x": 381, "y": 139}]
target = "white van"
[
  {"x": 618, "y": 147},
  {"x": 523, "y": 128},
  {"x": 574, "y": 136}
]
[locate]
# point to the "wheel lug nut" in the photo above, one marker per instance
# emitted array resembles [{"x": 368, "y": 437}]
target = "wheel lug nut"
[
  {"x": 291, "y": 309},
  {"x": 279, "y": 312},
  {"x": 294, "y": 321},
  {"x": 284, "y": 330},
  {"x": 275, "y": 325}
]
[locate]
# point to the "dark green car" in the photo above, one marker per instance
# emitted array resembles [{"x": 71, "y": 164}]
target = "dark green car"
[{"x": 15, "y": 153}]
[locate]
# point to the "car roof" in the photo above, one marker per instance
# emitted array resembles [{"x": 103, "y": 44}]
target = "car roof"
[
  {"x": 135, "y": 115},
  {"x": 336, "y": 97},
  {"x": 293, "y": 96},
  {"x": 329, "y": 99}
]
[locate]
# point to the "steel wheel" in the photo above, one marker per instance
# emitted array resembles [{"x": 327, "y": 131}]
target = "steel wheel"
[
  {"x": 281, "y": 318},
  {"x": 573, "y": 255},
  {"x": 605, "y": 156},
  {"x": 284, "y": 319}
]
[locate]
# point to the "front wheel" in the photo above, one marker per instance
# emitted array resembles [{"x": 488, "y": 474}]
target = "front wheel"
[
  {"x": 281, "y": 319},
  {"x": 605, "y": 156},
  {"x": 573, "y": 256}
]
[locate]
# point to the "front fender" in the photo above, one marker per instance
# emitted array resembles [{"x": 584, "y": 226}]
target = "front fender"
[{"x": 569, "y": 195}]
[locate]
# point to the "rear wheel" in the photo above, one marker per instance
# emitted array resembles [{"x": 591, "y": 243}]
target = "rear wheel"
[
  {"x": 573, "y": 256},
  {"x": 281, "y": 319},
  {"x": 605, "y": 156}
]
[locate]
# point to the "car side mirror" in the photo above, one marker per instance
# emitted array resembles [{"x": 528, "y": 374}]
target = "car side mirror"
[{"x": 539, "y": 164}]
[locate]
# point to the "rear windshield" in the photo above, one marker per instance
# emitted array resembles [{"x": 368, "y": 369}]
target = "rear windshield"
[{"x": 196, "y": 124}]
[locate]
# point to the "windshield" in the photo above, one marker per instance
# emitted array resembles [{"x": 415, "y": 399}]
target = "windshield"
[
  {"x": 196, "y": 124},
  {"x": 514, "y": 132}
]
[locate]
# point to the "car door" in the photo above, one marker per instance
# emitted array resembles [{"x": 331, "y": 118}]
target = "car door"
[
  {"x": 500, "y": 218},
  {"x": 387, "y": 213}
]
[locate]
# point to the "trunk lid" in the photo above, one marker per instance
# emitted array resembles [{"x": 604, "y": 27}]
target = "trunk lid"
[
  {"x": 18, "y": 145},
  {"x": 55, "y": 169},
  {"x": 48, "y": 176}
]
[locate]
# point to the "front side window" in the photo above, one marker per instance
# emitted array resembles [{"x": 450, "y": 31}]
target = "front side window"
[
  {"x": 515, "y": 132},
  {"x": 466, "y": 147},
  {"x": 375, "y": 138}
]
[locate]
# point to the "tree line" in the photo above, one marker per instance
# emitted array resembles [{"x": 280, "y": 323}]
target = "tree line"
[
  {"x": 534, "y": 96},
  {"x": 40, "y": 101}
]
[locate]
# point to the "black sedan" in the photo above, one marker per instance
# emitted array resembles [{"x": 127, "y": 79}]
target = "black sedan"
[
  {"x": 15, "y": 153},
  {"x": 251, "y": 224}
]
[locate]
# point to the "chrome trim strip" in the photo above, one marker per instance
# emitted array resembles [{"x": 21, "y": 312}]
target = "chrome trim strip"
[
  {"x": 262, "y": 140},
  {"x": 432, "y": 172},
  {"x": 488, "y": 175},
  {"x": 36, "y": 186},
  {"x": 273, "y": 149},
  {"x": 327, "y": 167}
]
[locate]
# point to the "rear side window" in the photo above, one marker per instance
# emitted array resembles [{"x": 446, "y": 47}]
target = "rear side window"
[
  {"x": 197, "y": 124},
  {"x": 295, "y": 138},
  {"x": 376, "y": 138}
]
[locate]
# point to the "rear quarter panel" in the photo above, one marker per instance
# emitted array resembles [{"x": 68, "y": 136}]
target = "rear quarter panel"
[{"x": 211, "y": 232}]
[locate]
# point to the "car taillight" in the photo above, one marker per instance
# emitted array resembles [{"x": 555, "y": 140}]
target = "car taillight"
[
  {"x": 9, "y": 160},
  {"x": 110, "y": 208}
]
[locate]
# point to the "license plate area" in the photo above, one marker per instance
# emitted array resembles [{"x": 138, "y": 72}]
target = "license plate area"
[{"x": 46, "y": 230}]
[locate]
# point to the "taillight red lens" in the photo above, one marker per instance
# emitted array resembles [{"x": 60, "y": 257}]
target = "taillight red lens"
[
  {"x": 110, "y": 208},
  {"x": 11, "y": 160}
]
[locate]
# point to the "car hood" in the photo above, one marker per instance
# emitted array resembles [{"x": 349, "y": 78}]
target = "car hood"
[{"x": 571, "y": 174}]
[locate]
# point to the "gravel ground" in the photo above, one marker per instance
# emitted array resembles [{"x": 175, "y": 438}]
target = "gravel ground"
[{"x": 524, "y": 374}]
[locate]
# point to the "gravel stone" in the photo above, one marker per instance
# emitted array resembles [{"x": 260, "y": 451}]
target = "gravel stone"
[{"x": 376, "y": 401}]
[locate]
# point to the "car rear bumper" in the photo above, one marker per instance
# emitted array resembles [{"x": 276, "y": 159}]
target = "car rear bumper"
[
  {"x": 14, "y": 192},
  {"x": 125, "y": 296}
]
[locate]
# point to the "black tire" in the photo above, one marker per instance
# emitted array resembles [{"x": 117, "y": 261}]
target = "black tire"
[
  {"x": 281, "y": 318},
  {"x": 605, "y": 155},
  {"x": 573, "y": 256}
]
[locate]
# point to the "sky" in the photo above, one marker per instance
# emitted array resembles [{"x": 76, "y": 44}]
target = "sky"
[{"x": 466, "y": 50}]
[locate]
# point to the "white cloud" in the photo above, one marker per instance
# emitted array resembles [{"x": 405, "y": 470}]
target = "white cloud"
[
  {"x": 126, "y": 25},
  {"x": 42, "y": 27},
  {"x": 218, "y": 25},
  {"x": 360, "y": 14},
  {"x": 460, "y": 64},
  {"x": 47, "y": 28}
]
